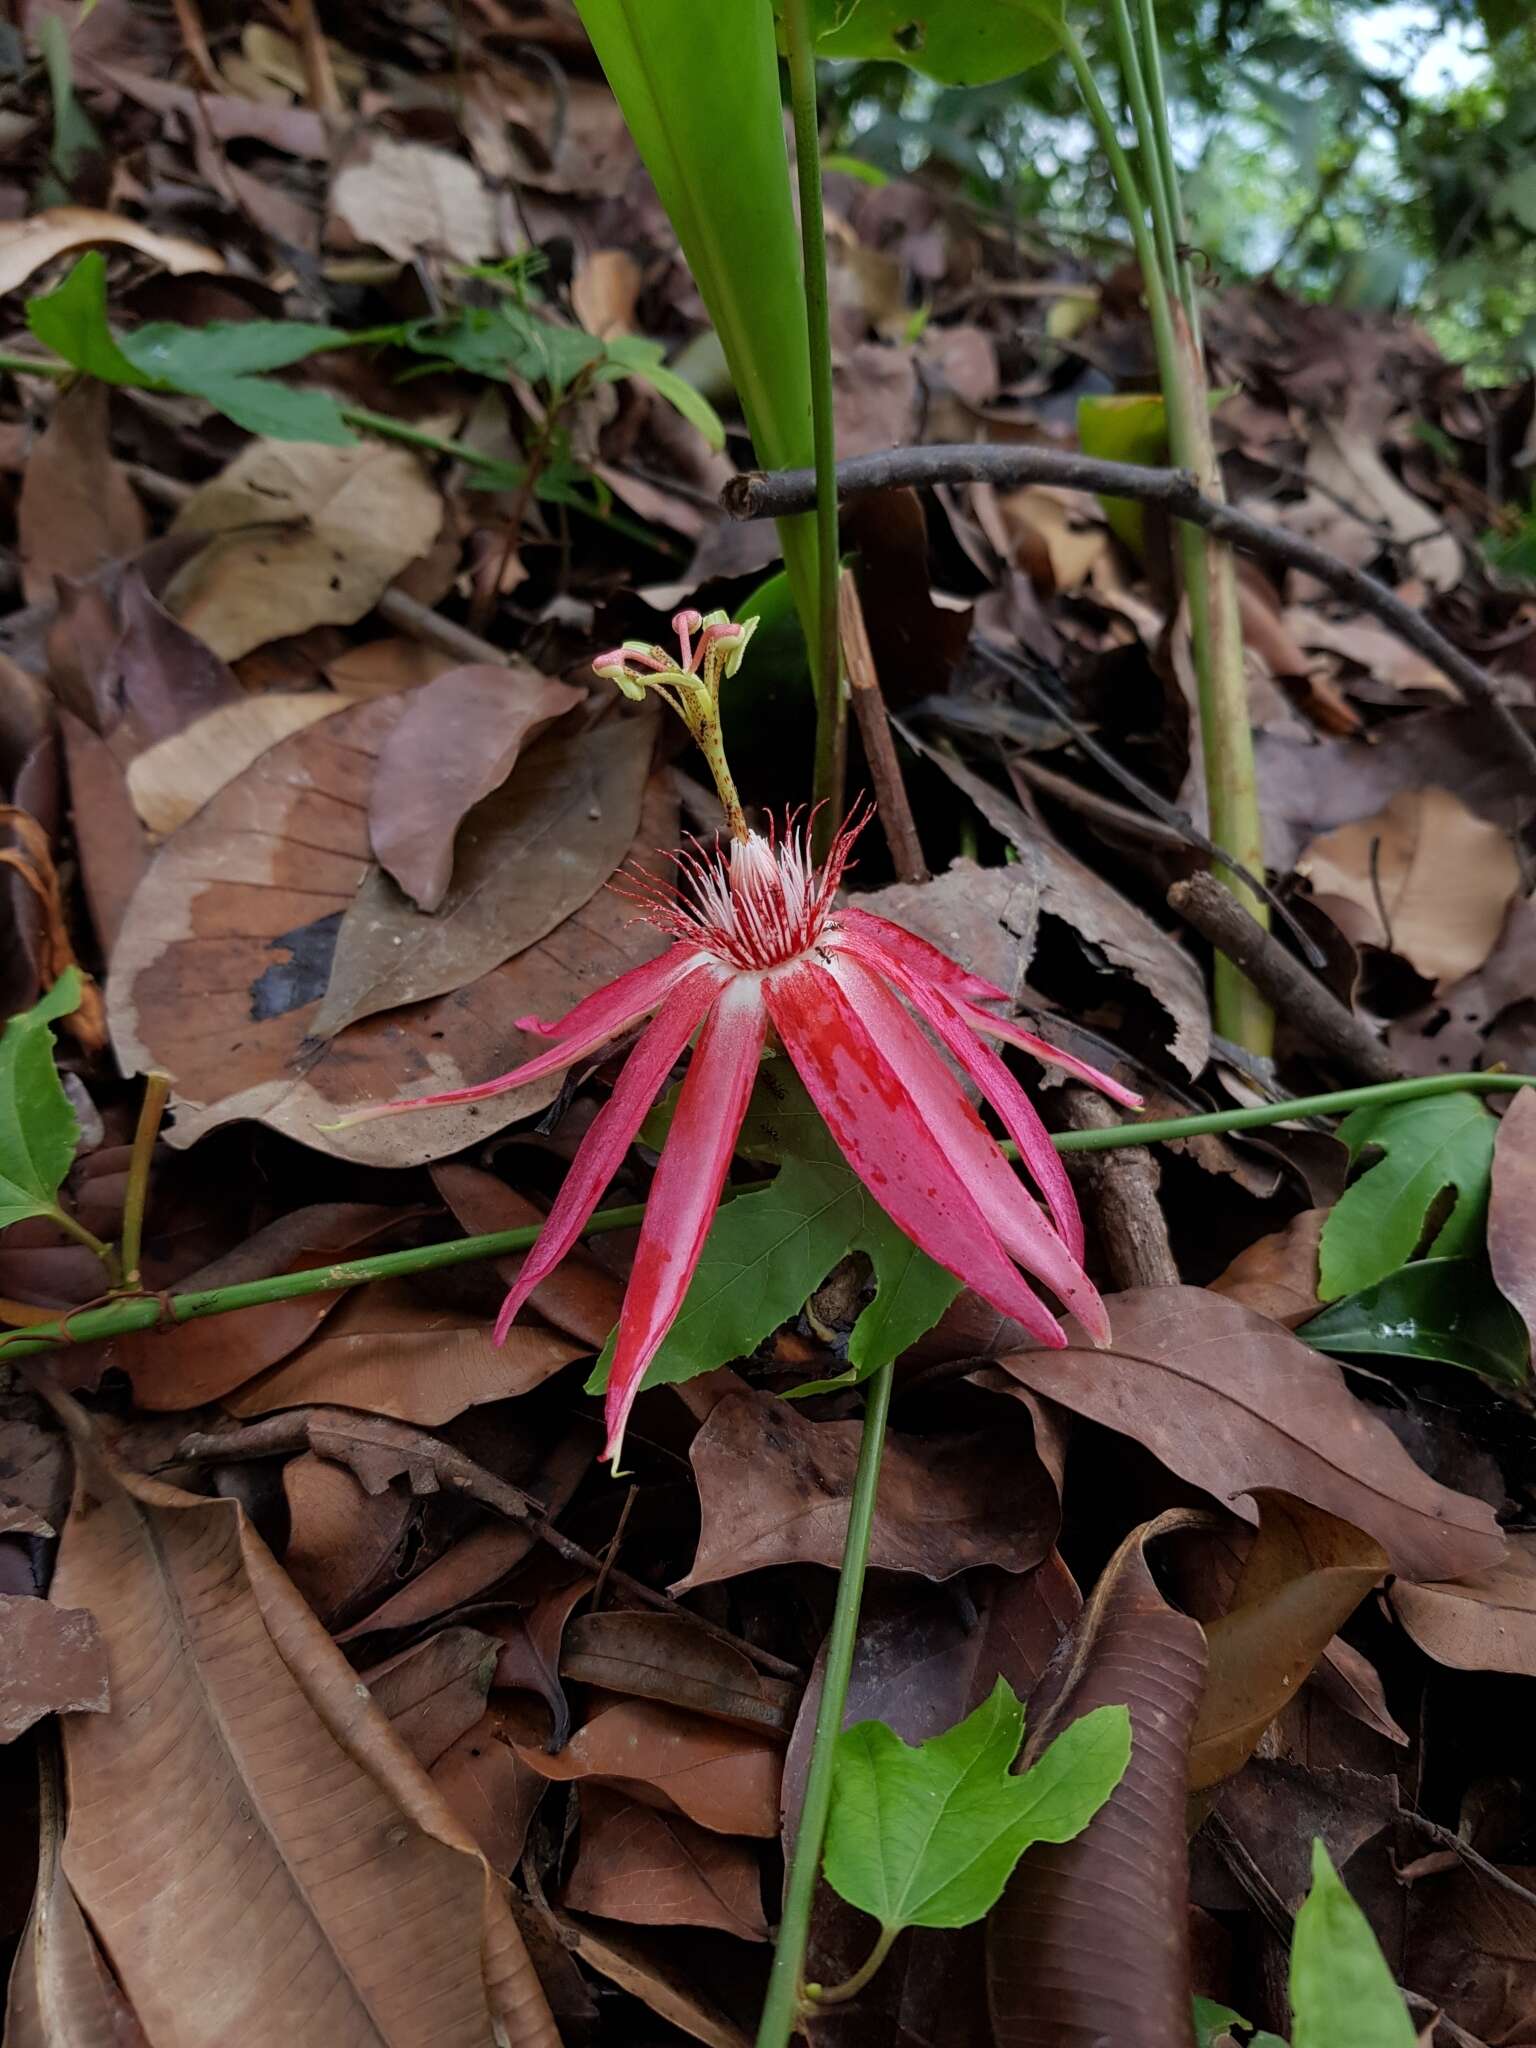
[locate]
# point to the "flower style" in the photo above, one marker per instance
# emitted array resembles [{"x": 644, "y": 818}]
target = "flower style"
[{"x": 760, "y": 947}]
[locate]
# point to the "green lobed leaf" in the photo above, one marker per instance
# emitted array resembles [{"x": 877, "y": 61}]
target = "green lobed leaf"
[
  {"x": 38, "y": 1126},
  {"x": 1342, "y": 1993},
  {"x": 1438, "y": 1145},
  {"x": 955, "y": 41},
  {"x": 1447, "y": 1310},
  {"x": 928, "y": 1837}
]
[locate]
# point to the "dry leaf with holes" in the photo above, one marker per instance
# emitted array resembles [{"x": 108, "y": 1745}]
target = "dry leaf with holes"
[
  {"x": 309, "y": 535},
  {"x": 1426, "y": 878},
  {"x": 172, "y": 781},
  {"x": 26, "y": 245},
  {"x": 409, "y": 199}
]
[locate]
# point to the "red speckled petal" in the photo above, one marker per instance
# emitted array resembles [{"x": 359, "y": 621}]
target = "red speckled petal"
[
  {"x": 612, "y": 1132},
  {"x": 1052, "y": 1055},
  {"x": 686, "y": 1191},
  {"x": 887, "y": 1141},
  {"x": 919, "y": 957}
]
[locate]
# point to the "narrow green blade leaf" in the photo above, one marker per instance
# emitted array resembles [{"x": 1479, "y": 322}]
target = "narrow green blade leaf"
[
  {"x": 1441, "y": 1144},
  {"x": 1447, "y": 1310},
  {"x": 38, "y": 1127},
  {"x": 629, "y": 355},
  {"x": 928, "y": 1837},
  {"x": 72, "y": 321},
  {"x": 1342, "y": 1993}
]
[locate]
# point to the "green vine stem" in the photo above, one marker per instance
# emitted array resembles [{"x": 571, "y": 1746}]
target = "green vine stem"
[
  {"x": 831, "y": 714},
  {"x": 72, "y": 1227},
  {"x": 785, "y": 2003},
  {"x": 145, "y": 1311}
]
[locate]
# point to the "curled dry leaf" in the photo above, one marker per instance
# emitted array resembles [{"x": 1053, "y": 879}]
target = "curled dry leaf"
[
  {"x": 635, "y": 1863},
  {"x": 535, "y": 850},
  {"x": 774, "y": 1489},
  {"x": 246, "y": 1832},
  {"x": 726, "y": 1779},
  {"x": 1277, "y": 1275},
  {"x": 196, "y": 1362},
  {"x": 307, "y": 535},
  {"x": 672, "y": 1657},
  {"x": 1512, "y": 1208},
  {"x": 77, "y": 510},
  {"x": 457, "y": 741},
  {"x": 1230, "y": 1402},
  {"x": 55, "y": 1663},
  {"x": 435, "y": 1692},
  {"x": 1426, "y": 878},
  {"x": 172, "y": 780},
  {"x": 1089, "y": 1941},
  {"x": 1484, "y": 1622},
  {"x": 226, "y": 953},
  {"x": 26, "y": 245},
  {"x": 1305, "y": 1575},
  {"x": 387, "y": 1351}
]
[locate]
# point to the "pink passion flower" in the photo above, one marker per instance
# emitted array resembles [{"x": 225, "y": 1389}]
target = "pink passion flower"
[{"x": 761, "y": 949}]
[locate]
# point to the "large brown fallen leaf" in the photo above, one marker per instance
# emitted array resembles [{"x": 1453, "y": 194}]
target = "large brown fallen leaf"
[
  {"x": 1230, "y": 1402},
  {"x": 77, "y": 510},
  {"x": 774, "y": 1489},
  {"x": 656, "y": 1981},
  {"x": 673, "y": 1658},
  {"x": 226, "y": 949},
  {"x": 1089, "y": 1943},
  {"x": 580, "y": 1296},
  {"x": 412, "y": 200},
  {"x": 1277, "y": 1275},
  {"x": 1512, "y": 1207},
  {"x": 171, "y": 781},
  {"x": 1425, "y": 878},
  {"x": 1305, "y": 1575},
  {"x": 435, "y": 1692},
  {"x": 488, "y": 1785},
  {"x": 1484, "y": 1622},
  {"x": 345, "y": 1546},
  {"x": 458, "y": 741},
  {"x": 55, "y": 1663},
  {"x": 1482, "y": 1019},
  {"x": 247, "y": 1834},
  {"x": 310, "y": 535},
  {"x": 26, "y": 245},
  {"x": 388, "y": 1351},
  {"x": 528, "y": 855},
  {"x": 726, "y": 1779},
  {"x": 634, "y": 1863},
  {"x": 62, "y": 1995}
]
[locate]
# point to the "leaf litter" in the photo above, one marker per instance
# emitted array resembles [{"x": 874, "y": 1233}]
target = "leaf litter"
[{"x": 332, "y": 809}]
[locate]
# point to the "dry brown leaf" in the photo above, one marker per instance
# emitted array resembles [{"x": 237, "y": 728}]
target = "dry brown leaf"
[
  {"x": 1512, "y": 1208},
  {"x": 1426, "y": 878},
  {"x": 55, "y": 1663},
  {"x": 435, "y": 1692},
  {"x": 1344, "y": 462},
  {"x": 309, "y": 535},
  {"x": 171, "y": 781},
  {"x": 1230, "y": 1402},
  {"x": 656, "y": 1981},
  {"x": 1305, "y": 1575},
  {"x": 488, "y": 1785},
  {"x": 456, "y": 742},
  {"x": 378, "y": 668},
  {"x": 674, "y": 1658},
  {"x": 409, "y": 200},
  {"x": 1481, "y": 1020},
  {"x": 388, "y": 1351},
  {"x": 1057, "y": 536},
  {"x": 244, "y": 1781},
  {"x": 226, "y": 952},
  {"x": 604, "y": 290},
  {"x": 1485, "y": 1622},
  {"x": 726, "y": 1779},
  {"x": 580, "y": 1296},
  {"x": 1371, "y": 647},
  {"x": 530, "y": 854},
  {"x": 26, "y": 245},
  {"x": 345, "y": 1546},
  {"x": 774, "y": 1488},
  {"x": 1277, "y": 1275},
  {"x": 634, "y": 1863},
  {"x": 77, "y": 510},
  {"x": 1089, "y": 1941}
]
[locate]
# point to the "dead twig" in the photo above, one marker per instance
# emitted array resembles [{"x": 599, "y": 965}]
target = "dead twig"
[
  {"x": 195, "y": 42},
  {"x": 896, "y": 819},
  {"x": 431, "y": 1466},
  {"x": 1123, "y": 1193},
  {"x": 319, "y": 72},
  {"x": 764, "y": 494},
  {"x": 1298, "y": 996}
]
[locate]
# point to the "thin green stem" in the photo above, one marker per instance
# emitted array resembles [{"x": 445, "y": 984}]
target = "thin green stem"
[
  {"x": 73, "y": 1227},
  {"x": 1156, "y": 168},
  {"x": 1152, "y": 62},
  {"x": 783, "y": 2005},
  {"x": 157, "y": 1088},
  {"x": 827, "y": 781},
  {"x": 144, "y": 1312},
  {"x": 840, "y": 1994},
  {"x": 35, "y": 366}
]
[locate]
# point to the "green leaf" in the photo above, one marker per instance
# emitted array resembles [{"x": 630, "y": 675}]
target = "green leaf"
[
  {"x": 1440, "y": 1144},
  {"x": 768, "y": 1251},
  {"x": 1212, "y": 2021},
  {"x": 1447, "y": 1310},
  {"x": 1342, "y": 1993},
  {"x": 282, "y": 412},
  {"x": 38, "y": 1127},
  {"x": 631, "y": 356},
  {"x": 74, "y": 132},
  {"x": 72, "y": 321},
  {"x": 955, "y": 41},
  {"x": 928, "y": 1837},
  {"x": 1124, "y": 427},
  {"x": 189, "y": 357}
]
